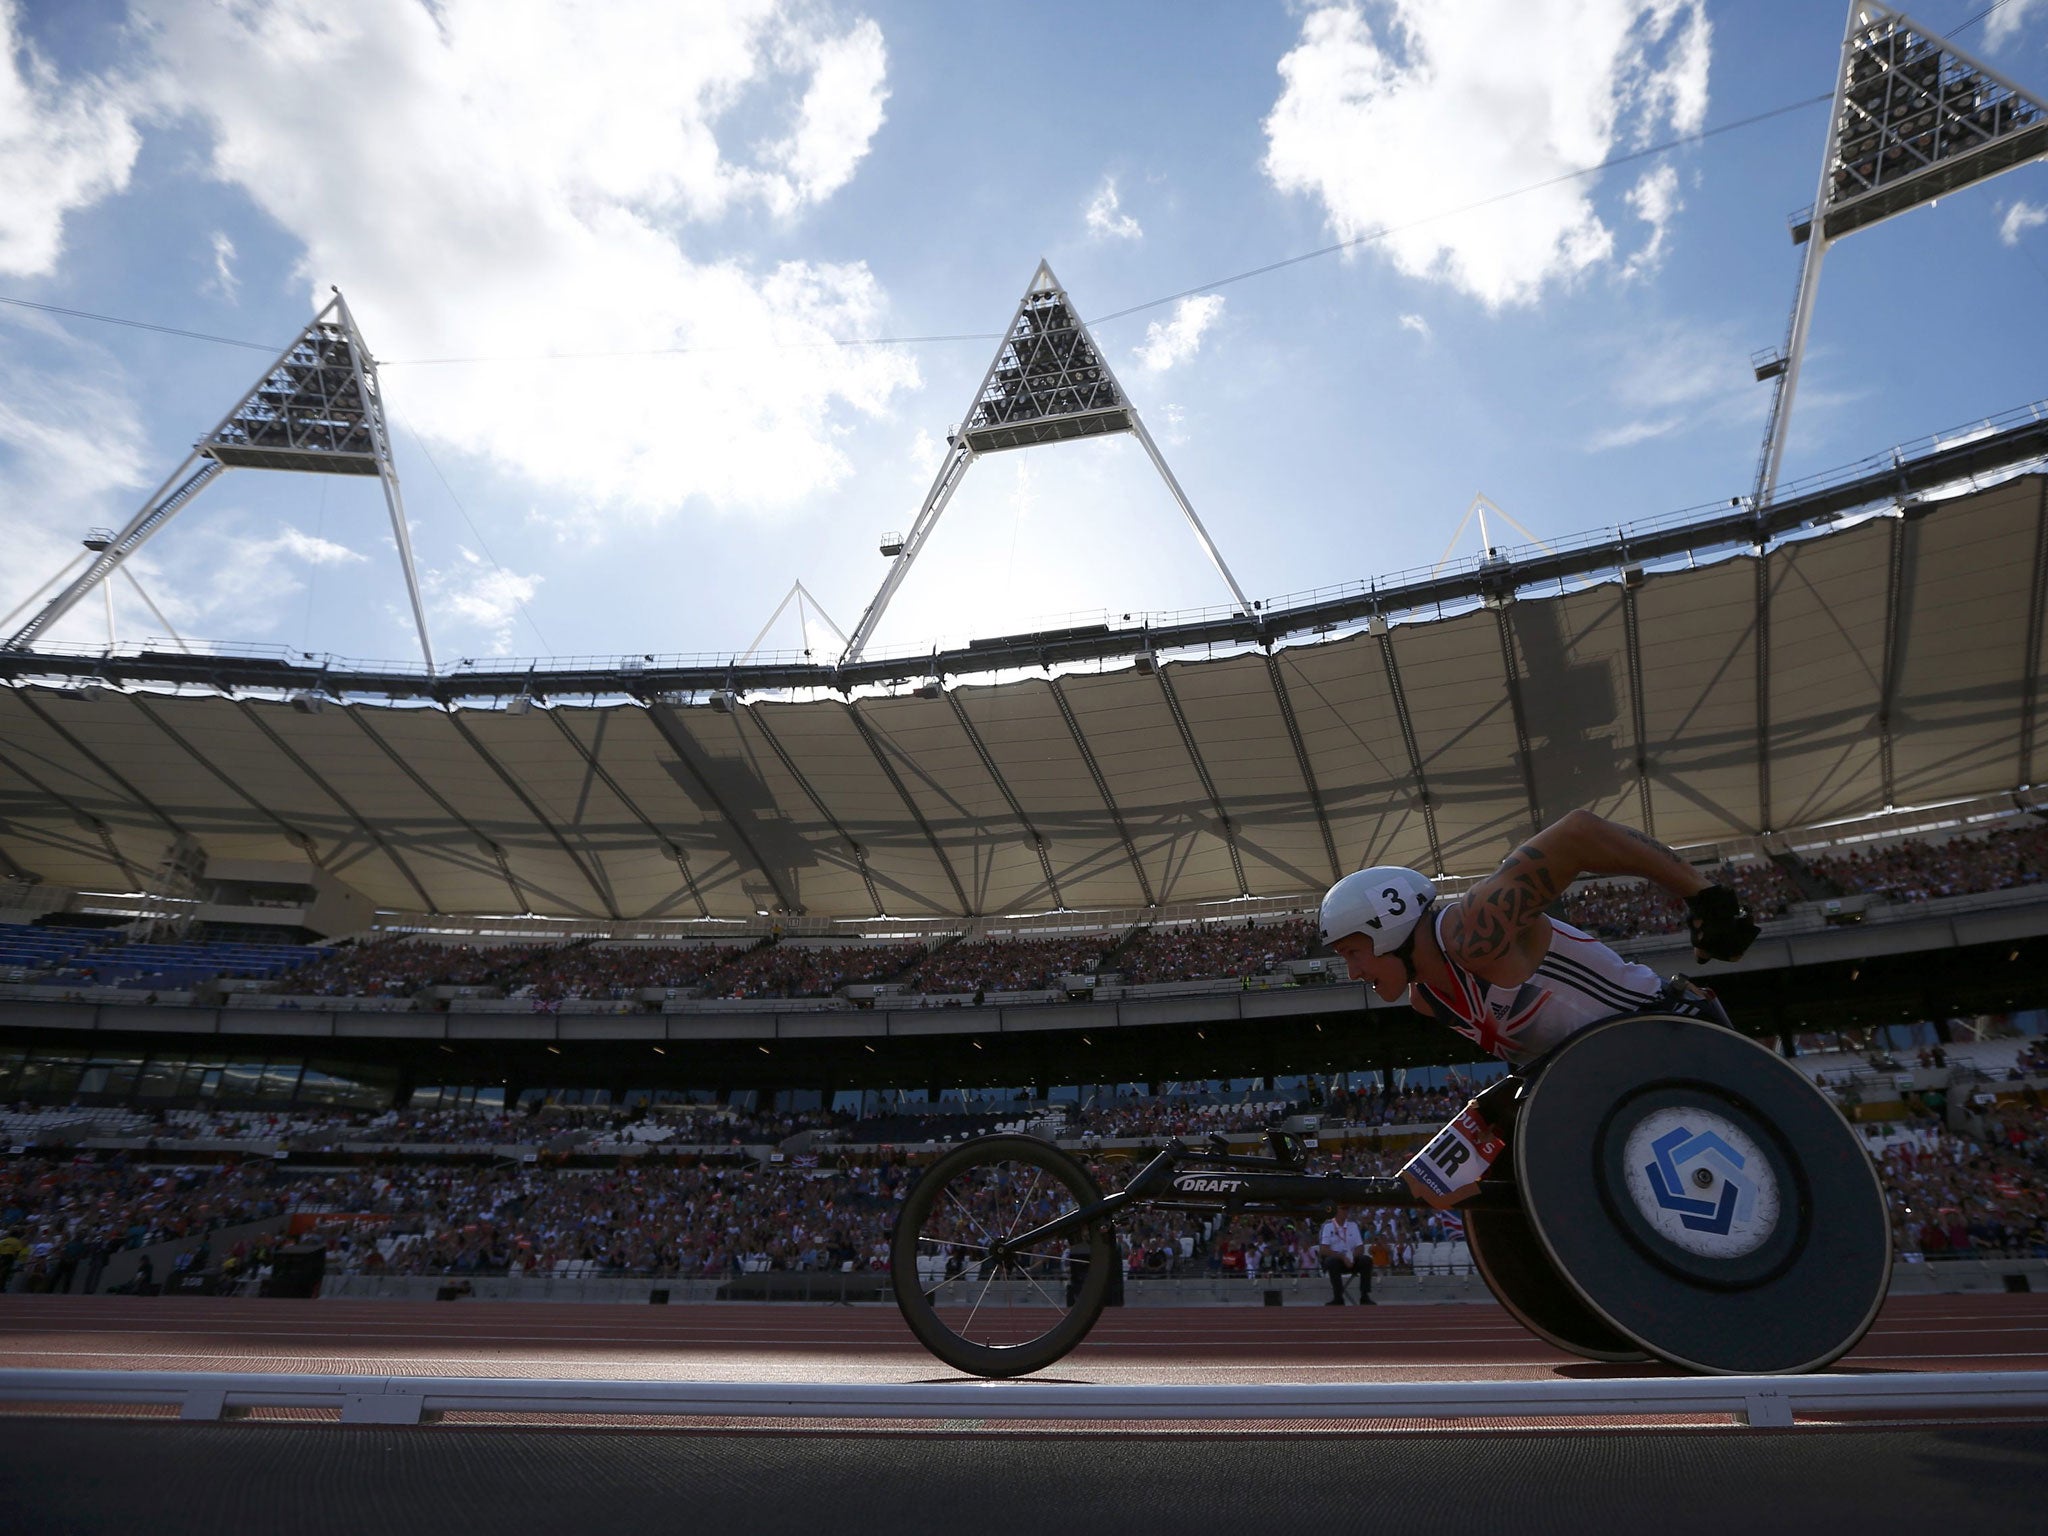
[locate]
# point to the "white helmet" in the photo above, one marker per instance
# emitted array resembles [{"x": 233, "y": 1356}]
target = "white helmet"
[{"x": 1383, "y": 903}]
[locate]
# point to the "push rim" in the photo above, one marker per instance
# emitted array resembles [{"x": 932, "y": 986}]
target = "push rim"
[{"x": 1792, "y": 1295}]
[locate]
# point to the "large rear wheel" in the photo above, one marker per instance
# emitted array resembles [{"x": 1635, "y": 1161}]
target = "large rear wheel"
[{"x": 976, "y": 1299}]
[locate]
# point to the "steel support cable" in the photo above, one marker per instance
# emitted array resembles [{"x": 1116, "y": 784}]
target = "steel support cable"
[
  {"x": 684, "y": 745},
  {"x": 860, "y": 856},
  {"x": 28, "y": 697},
  {"x": 1678, "y": 141},
  {"x": 1631, "y": 624},
  {"x": 1513, "y": 677},
  {"x": 505, "y": 777},
  {"x": 1003, "y": 787},
  {"x": 370, "y": 831},
  {"x": 485, "y": 844},
  {"x": 13, "y": 870},
  {"x": 1763, "y": 689},
  {"x": 1400, "y": 698},
  {"x": 668, "y": 844},
  {"x": 1285, "y": 700},
  {"x": 2030, "y": 661},
  {"x": 1894, "y": 602},
  {"x": 296, "y": 835},
  {"x": 1187, "y": 738},
  {"x": 84, "y": 818},
  {"x": 1116, "y": 815},
  {"x": 874, "y": 746}
]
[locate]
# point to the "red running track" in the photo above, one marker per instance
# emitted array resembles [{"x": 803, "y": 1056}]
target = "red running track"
[{"x": 818, "y": 1343}]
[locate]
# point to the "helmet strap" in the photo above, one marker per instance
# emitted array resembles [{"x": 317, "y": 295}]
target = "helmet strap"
[{"x": 1405, "y": 951}]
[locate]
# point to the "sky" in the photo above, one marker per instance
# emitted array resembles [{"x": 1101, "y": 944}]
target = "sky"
[{"x": 675, "y": 303}]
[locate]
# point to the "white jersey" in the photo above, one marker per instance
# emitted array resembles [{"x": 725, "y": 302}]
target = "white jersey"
[{"x": 1580, "y": 982}]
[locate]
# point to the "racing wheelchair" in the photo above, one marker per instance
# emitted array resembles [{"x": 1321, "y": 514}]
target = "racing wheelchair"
[{"x": 1669, "y": 1190}]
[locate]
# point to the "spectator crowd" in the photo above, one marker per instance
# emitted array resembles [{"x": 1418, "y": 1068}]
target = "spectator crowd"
[
  {"x": 1627, "y": 909},
  {"x": 1194, "y": 954},
  {"x": 1958, "y": 1196},
  {"x": 401, "y": 967},
  {"x": 1008, "y": 965},
  {"x": 715, "y": 1215},
  {"x": 1914, "y": 870}
]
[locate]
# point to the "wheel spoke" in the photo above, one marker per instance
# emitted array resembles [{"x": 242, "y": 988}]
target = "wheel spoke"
[
  {"x": 975, "y": 1310},
  {"x": 1038, "y": 1286},
  {"x": 1024, "y": 1205},
  {"x": 1012, "y": 1314},
  {"x": 1035, "y": 1253},
  {"x": 967, "y": 1212}
]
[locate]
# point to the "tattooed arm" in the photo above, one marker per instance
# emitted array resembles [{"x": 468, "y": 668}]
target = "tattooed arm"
[{"x": 1496, "y": 930}]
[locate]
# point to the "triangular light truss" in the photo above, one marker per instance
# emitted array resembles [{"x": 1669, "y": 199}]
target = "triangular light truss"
[
  {"x": 317, "y": 410},
  {"x": 1048, "y": 383},
  {"x": 1914, "y": 118}
]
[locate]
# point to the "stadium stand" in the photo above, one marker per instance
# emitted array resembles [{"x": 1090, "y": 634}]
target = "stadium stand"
[
  {"x": 1628, "y": 909},
  {"x": 1007, "y": 965},
  {"x": 704, "y": 1197},
  {"x": 953, "y": 968},
  {"x": 1191, "y": 954},
  {"x": 800, "y": 970},
  {"x": 1917, "y": 870}
]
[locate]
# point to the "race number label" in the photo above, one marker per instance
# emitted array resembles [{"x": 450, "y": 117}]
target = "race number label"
[{"x": 1449, "y": 1168}]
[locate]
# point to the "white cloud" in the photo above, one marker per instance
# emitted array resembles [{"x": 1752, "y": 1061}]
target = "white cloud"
[
  {"x": 840, "y": 114},
  {"x": 315, "y": 550},
  {"x": 1416, "y": 324},
  {"x": 476, "y": 598},
  {"x": 223, "y": 576},
  {"x": 1106, "y": 221},
  {"x": 1168, "y": 342},
  {"x": 71, "y": 450},
  {"x": 1629, "y": 433},
  {"x": 225, "y": 283},
  {"x": 927, "y": 453},
  {"x": 1676, "y": 377},
  {"x": 1654, "y": 200},
  {"x": 520, "y": 178},
  {"x": 1173, "y": 424},
  {"x": 2019, "y": 218},
  {"x": 1448, "y": 105},
  {"x": 2004, "y": 22},
  {"x": 63, "y": 146}
]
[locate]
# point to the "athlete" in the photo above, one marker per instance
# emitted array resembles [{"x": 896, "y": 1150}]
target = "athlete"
[{"x": 1497, "y": 968}]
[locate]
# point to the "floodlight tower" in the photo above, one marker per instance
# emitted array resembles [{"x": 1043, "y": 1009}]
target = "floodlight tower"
[
  {"x": 318, "y": 409},
  {"x": 1048, "y": 383},
  {"x": 1914, "y": 118}
]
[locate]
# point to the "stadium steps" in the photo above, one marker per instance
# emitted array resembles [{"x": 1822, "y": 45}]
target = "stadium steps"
[
  {"x": 1112, "y": 958},
  {"x": 1811, "y": 884},
  {"x": 909, "y": 972}
]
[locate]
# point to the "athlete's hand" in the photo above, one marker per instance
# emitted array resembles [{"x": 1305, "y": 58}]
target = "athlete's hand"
[{"x": 1722, "y": 928}]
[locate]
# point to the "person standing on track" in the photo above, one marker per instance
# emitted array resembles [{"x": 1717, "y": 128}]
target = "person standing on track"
[
  {"x": 1495, "y": 967},
  {"x": 1341, "y": 1250}
]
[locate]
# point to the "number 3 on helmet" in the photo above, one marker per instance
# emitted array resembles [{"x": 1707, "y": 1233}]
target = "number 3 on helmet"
[{"x": 1383, "y": 903}]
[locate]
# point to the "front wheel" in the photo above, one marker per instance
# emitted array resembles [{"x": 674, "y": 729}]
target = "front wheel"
[{"x": 973, "y": 1299}]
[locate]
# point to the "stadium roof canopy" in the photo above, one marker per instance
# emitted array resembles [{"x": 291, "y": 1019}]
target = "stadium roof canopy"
[{"x": 1863, "y": 643}]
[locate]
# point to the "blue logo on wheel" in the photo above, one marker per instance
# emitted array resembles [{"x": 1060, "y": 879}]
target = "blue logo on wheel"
[{"x": 1679, "y": 1153}]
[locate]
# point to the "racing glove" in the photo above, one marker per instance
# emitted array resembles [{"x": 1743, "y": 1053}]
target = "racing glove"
[{"x": 1722, "y": 928}]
